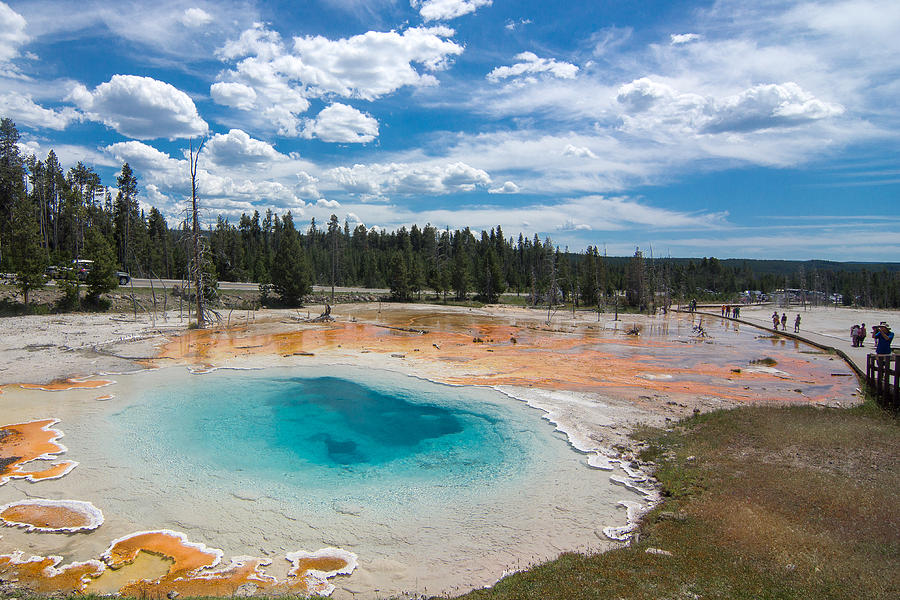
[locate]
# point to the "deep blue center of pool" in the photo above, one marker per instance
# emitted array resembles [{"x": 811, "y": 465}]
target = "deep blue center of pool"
[
  {"x": 333, "y": 421},
  {"x": 309, "y": 430}
]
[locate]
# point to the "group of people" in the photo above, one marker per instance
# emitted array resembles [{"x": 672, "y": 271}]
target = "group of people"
[
  {"x": 881, "y": 333},
  {"x": 776, "y": 320},
  {"x": 731, "y": 311}
]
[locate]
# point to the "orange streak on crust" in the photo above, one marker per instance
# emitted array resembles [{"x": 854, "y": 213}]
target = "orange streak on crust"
[
  {"x": 323, "y": 563},
  {"x": 45, "y": 517},
  {"x": 68, "y": 384},
  {"x": 40, "y": 574},
  {"x": 526, "y": 355},
  {"x": 223, "y": 582},
  {"x": 53, "y": 472},
  {"x": 192, "y": 572},
  {"x": 25, "y": 442},
  {"x": 185, "y": 556}
]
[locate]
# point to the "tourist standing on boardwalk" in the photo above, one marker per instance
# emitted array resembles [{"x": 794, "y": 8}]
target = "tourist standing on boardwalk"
[
  {"x": 883, "y": 337},
  {"x": 862, "y": 334},
  {"x": 797, "y": 324},
  {"x": 736, "y": 312},
  {"x": 775, "y": 320},
  {"x": 783, "y": 321}
]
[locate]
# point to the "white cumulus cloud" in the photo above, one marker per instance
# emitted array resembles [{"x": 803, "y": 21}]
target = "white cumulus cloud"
[
  {"x": 373, "y": 64},
  {"x": 220, "y": 191},
  {"x": 530, "y": 65},
  {"x": 233, "y": 94},
  {"x": 380, "y": 179},
  {"x": 342, "y": 123},
  {"x": 155, "y": 197},
  {"x": 683, "y": 38},
  {"x": 307, "y": 186},
  {"x": 196, "y": 17},
  {"x": 141, "y": 107},
  {"x": 651, "y": 106},
  {"x": 237, "y": 148},
  {"x": 508, "y": 187},
  {"x": 12, "y": 33},
  {"x": 578, "y": 151},
  {"x": 145, "y": 158},
  {"x": 274, "y": 81},
  {"x": 444, "y": 10},
  {"x": 24, "y": 111},
  {"x": 768, "y": 105},
  {"x": 573, "y": 225}
]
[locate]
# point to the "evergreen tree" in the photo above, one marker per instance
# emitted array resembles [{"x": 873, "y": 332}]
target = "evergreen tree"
[
  {"x": 491, "y": 283},
  {"x": 587, "y": 279},
  {"x": 290, "y": 269},
  {"x": 124, "y": 210},
  {"x": 53, "y": 177},
  {"x": 399, "y": 277},
  {"x": 334, "y": 232},
  {"x": 30, "y": 260},
  {"x": 160, "y": 253},
  {"x": 102, "y": 276},
  {"x": 636, "y": 281},
  {"x": 435, "y": 278},
  {"x": 416, "y": 274},
  {"x": 459, "y": 271},
  {"x": 12, "y": 183},
  {"x": 460, "y": 275}
]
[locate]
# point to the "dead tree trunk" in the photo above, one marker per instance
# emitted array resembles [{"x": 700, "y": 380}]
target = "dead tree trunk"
[{"x": 195, "y": 233}]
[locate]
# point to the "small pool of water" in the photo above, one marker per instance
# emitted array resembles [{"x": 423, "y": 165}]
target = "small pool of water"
[
  {"x": 431, "y": 485},
  {"x": 290, "y": 427}
]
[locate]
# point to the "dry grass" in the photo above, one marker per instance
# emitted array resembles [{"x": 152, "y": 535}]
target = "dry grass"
[{"x": 761, "y": 502}]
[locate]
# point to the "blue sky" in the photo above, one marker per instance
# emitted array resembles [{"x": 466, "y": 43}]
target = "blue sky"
[{"x": 730, "y": 129}]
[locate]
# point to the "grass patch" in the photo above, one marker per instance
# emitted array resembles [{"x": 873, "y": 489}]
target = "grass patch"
[
  {"x": 760, "y": 502},
  {"x": 11, "y": 308}
]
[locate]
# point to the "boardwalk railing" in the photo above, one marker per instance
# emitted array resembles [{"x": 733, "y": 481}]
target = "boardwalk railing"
[{"x": 883, "y": 379}]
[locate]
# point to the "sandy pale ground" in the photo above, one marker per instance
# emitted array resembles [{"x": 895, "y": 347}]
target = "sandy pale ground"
[
  {"x": 590, "y": 379},
  {"x": 40, "y": 349}
]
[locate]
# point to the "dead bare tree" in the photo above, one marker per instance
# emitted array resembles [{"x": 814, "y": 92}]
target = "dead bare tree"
[
  {"x": 551, "y": 294},
  {"x": 197, "y": 262}
]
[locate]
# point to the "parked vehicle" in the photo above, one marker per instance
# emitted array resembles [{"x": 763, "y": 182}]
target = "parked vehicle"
[{"x": 81, "y": 268}]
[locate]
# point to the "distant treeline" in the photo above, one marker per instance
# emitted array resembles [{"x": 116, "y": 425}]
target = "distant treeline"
[{"x": 48, "y": 217}]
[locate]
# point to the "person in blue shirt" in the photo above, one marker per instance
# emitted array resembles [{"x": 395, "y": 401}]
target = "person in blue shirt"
[{"x": 883, "y": 337}]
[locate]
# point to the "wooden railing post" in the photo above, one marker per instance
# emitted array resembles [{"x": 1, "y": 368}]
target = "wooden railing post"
[
  {"x": 895, "y": 403},
  {"x": 879, "y": 370}
]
